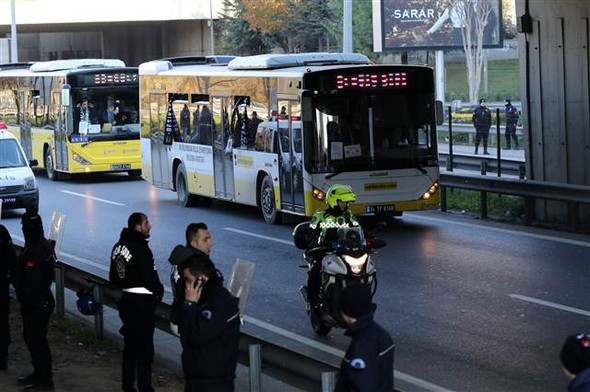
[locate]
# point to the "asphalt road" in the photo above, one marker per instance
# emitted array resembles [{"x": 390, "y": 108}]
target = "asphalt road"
[{"x": 472, "y": 305}]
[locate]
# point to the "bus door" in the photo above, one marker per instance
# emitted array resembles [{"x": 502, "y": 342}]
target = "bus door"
[
  {"x": 60, "y": 132},
  {"x": 223, "y": 169},
  {"x": 289, "y": 134},
  {"x": 25, "y": 109},
  {"x": 161, "y": 173}
]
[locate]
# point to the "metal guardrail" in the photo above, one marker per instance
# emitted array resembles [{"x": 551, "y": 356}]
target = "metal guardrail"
[
  {"x": 574, "y": 195},
  {"x": 297, "y": 369},
  {"x": 291, "y": 367}
]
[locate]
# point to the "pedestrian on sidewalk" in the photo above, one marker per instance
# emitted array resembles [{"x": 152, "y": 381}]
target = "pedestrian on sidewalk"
[
  {"x": 482, "y": 121},
  {"x": 209, "y": 329},
  {"x": 367, "y": 365},
  {"x": 33, "y": 276},
  {"x": 198, "y": 244},
  {"x": 512, "y": 117},
  {"x": 133, "y": 270},
  {"x": 8, "y": 257}
]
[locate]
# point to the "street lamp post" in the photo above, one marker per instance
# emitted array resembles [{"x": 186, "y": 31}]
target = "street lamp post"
[{"x": 13, "y": 40}]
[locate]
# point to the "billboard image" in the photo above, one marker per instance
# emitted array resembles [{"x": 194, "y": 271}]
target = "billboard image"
[{"x": 431, "y": 24}]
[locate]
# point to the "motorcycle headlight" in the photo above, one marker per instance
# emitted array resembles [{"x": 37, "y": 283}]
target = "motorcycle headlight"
[{"x": 355, "y": 263}]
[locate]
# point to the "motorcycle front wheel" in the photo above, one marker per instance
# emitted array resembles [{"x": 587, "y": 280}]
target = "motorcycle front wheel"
[{"x": 318, "y": 326}]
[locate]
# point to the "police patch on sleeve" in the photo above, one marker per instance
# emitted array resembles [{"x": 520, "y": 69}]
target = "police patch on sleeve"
[{"x": 358, "y": 363}]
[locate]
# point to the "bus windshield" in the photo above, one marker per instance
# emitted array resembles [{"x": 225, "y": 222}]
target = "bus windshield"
[
  {"x": 105, "y": 114},
  {"x": 370, "y": 131}
]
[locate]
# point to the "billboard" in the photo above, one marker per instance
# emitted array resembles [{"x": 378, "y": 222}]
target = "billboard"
[{"x": 430, "y": 24}]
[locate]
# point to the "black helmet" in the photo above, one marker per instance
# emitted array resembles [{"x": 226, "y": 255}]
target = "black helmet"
[{"x": 87, "y": 304}]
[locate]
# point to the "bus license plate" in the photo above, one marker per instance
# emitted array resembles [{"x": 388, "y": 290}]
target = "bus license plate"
[
  {"x": 381, "y": 208},
  {"x": 122, "y": 166}
]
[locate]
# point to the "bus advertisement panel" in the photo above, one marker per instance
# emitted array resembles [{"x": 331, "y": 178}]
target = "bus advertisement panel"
[{"x": 276, "y": 131}]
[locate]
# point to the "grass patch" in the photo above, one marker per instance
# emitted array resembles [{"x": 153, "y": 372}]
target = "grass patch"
[
  {"x": 500, "y": 207},
  {"x": 503, "y": 81}
]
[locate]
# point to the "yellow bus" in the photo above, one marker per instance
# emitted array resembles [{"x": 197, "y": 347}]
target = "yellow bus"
[
  {"x": 75, "y": 116},
  {"x": 275, "y": 131}
]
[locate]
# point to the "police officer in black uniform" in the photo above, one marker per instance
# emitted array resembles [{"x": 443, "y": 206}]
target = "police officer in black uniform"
[
  {"x": 133, "y": 270},
  {"x": 209, "y": 329},
  {"x": 367, "y": 365},
  {"x": 8, "y": 256},
  {"x": 33, "y": 275}
]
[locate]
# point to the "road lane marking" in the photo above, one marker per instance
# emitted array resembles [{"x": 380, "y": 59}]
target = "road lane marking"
[
  {"x": 92, "y": 197},
  {"x": 258, "y": 236},
  {"x": 506, "y": 231},
  {"x": 550, "y": 304}
]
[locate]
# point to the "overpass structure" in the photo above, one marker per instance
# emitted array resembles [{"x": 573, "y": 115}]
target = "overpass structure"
[{"x": 554, "y": 54}]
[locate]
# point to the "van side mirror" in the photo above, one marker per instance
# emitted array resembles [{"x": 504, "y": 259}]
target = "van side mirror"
[
  {"x": 440, "y": 115},
  {"x": 33, "y": 162}
]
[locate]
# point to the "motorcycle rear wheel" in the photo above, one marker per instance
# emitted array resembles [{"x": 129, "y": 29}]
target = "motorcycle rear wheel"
[{"x": 318, "y": 326}]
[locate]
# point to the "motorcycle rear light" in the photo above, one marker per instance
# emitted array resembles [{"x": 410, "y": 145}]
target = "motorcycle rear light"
[{"x": 356, "y": 263}]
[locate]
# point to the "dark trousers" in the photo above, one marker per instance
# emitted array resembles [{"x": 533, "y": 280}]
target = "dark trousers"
[
  {"x": 4, "y": 325},
  {"x": 511, "y": 133},
  {"x": 35, "y": 324},
  {"x": 479, "y": 135},
  {"x": 137, "y": 314}
]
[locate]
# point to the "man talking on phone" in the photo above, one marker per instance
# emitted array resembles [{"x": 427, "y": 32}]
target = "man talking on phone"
[{"x": 209, "y": 329}]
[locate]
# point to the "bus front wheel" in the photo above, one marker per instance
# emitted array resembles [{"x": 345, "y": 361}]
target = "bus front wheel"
[
  {"x": 49, "y": 166},
  {"x": 267, "y": 202},
  {"x": 185, "y": 199}
]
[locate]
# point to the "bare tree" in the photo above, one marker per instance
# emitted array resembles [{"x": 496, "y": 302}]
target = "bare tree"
[{"x": 474, "y": 17}]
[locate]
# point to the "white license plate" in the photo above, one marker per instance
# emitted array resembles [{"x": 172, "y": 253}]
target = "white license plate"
[
  {"x": 123, "y": 166},
  {"x": 382, "y": 208}
]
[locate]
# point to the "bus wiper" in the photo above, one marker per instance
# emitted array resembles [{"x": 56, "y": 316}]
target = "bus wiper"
[
  {"x": 421, "y": 169},
  {"x": 336, "y": 172},
  {"x": 86, "y": 143}
]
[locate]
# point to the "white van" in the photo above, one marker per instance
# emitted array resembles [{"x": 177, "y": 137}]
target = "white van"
[{"x": 18, "y": 186}]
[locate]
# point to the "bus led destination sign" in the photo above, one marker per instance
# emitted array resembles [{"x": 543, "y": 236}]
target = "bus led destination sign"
[
  {"x": 115, "y": 78},
  {"x": 372, "y": 80}
]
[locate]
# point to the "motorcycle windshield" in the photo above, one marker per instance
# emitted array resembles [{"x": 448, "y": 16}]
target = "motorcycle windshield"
[{"x": 351, "y": 240}]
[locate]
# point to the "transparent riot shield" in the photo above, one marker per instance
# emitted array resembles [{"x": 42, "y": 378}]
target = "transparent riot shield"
[
  {"x": 240, "y": 280},
  {"x": 56, "y": 230}
]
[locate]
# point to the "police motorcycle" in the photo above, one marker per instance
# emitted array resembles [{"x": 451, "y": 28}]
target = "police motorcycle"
[{"x": 346, "y": 259}]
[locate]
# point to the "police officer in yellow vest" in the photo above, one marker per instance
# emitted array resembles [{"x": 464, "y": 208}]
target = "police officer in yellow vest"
[{"x": 325, "y": 224}]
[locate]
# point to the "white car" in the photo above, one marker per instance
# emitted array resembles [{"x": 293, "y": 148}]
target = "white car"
[{"x": 18, "y": 186}]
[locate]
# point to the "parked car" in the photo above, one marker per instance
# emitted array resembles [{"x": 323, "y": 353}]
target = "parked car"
[{"x": 18, "y": 186}]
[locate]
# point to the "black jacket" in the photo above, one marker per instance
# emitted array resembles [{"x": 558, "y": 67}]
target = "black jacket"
[
  {"x": 482, "y": 119},
  {"x": 178, "y": 256},
  {"x": 34, "y": 273},
  {"x": 210, "y": 334},
  {"x": 132, "y": 264},
  {"x": 368, "y": 362},
  {"x": 8, "y": 256}
]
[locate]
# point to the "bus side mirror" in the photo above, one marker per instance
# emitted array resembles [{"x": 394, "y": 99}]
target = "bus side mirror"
[
  {"x": 440, "y": 116},
  {"x": 65, "y": 95}
]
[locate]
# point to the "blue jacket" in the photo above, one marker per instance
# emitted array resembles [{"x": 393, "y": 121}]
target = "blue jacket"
[
  {"x": 581, "y": 383},
  {"x": 368, "y": 362}
]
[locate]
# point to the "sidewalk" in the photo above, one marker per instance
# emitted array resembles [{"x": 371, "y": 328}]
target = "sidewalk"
[{"x": 81, "y": 363}]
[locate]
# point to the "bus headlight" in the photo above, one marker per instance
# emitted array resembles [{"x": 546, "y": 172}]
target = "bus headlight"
[
  {"x": 356, "y": 263},
  {"x": 80, "y": 160},
  {"x": 318, "y": 194},
  {"x": 432, "y": 190}
]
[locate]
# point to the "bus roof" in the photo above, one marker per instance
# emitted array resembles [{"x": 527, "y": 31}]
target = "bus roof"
[
  {"x": 60, "y": 65},
  {"x": 270, "y": 61},
  {"x": 288, "y": 65}
]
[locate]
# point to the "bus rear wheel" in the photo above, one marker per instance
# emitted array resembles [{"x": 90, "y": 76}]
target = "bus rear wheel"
[
  {"x": 49, "y": 166},
  {"x": 267, "y": 202},
  {"x": 185, "y": 199}
]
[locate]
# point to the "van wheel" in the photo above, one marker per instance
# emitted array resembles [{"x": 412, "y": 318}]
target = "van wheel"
[
  {"x": 267, "y": 202},
  {"x": 185, "y": 199},
  {"x": 52, "y": 174}
]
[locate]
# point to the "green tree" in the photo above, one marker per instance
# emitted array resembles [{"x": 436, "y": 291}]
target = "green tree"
[
  {"x": 362, "y": 26},
  {"x": 238, "y": 37}
]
